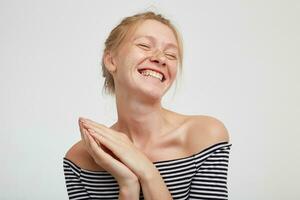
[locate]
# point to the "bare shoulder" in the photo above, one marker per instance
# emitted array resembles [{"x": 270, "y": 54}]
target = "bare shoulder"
[
  {"x": 80, "y": 156},
  {"x": 205, "y": 131}
]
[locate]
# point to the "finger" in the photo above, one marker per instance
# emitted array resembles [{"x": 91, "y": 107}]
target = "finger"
[
  {"x": 92, "y": 124},
  {"x": 92, "y": 140},
  {"x": 100, "y": 128},
  {"x": 82, "y": 134},
  {"x": 81, "y": 128},
  {"x": 108, "y": 162},
  {"x": 113, "y": 146},
  {"x": 86, "y": 141},
  {"x": 94, "y": 145},
  {"x": 97, "y": 152},
  {"x": 108, "y": 133},
  {"x": 99, "y": 140}
]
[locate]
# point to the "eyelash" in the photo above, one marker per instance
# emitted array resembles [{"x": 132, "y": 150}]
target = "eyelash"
[
  {"x": 147, "y": 47},
  {"x": 144, "y": 46},
  {"x": 171, "y": 56}
]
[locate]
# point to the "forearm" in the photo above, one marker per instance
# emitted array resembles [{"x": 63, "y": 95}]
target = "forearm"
[
  {"x": 154, "y": 187},
  {"x": 129, "y": 192}
]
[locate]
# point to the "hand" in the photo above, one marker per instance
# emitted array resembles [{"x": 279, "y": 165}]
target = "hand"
[
  {"x": 121, "y": 146},
  {"x": 102, "y": 157}
]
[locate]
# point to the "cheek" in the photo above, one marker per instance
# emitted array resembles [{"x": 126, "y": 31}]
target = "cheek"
[
  {"x": 133, "y": 57},
  {"x": 174, "y": 69},
  {"x": 138, "y": 55},
  {"x": 129, "y": 62}
]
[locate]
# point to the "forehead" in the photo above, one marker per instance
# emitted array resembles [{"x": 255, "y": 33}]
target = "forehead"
[{"x": 155, "y": 30}]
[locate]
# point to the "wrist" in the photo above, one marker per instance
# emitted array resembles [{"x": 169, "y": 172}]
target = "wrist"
[
  {"x": 149, "y": 176},
  {"x": 129, "y": 192}
]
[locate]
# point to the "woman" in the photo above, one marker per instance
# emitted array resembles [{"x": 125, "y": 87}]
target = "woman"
[{"x": 150, "y": 152}]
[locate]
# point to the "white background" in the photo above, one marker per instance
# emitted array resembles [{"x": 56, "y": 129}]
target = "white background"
[{"x": 241, "y": 65}]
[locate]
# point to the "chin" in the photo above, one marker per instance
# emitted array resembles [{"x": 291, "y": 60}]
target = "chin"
[
  {"x": 150, "y": 87},
  {"x": 154, "y": 94}
]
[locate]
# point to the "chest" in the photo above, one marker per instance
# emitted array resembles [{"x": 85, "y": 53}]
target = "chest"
[{"x": 173, "y": 146}]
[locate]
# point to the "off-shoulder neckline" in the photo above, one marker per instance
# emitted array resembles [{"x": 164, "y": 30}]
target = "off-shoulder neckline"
[{"x": 163, "y": 161}]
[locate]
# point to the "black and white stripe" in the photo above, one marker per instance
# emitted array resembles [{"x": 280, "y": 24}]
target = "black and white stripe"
[{"x": 200, "y": 176}]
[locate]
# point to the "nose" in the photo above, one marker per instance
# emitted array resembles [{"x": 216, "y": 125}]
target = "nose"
[{"x": 158, "y": 57}]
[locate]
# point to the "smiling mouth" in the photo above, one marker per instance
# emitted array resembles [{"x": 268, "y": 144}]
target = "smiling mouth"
[{"x": 151, "y": 73}]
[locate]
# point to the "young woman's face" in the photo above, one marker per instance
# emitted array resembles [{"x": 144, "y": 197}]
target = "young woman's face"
[{"x": 152, "y": 46}]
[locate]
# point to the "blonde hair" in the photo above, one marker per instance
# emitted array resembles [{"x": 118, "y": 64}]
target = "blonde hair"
[{"x": 120, "y": 32}]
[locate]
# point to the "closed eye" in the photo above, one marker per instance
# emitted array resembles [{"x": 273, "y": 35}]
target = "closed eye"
[
  {"x": 144, "y": 46},
  {"x": 171, "y": 56}
]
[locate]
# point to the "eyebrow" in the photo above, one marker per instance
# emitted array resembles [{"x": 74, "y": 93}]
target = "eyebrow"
[{"x": 153, "y": 38}]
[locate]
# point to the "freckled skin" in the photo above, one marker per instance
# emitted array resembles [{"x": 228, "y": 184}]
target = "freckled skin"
[
  {"x": 134, "y": 54},
  {"x": 145, "y": 132}
]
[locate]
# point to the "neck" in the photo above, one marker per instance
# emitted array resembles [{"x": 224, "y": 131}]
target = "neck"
[{"x": 142, "y": 120}]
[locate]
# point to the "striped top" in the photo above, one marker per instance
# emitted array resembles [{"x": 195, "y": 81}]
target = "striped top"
[{"x": 200, "y": 176}]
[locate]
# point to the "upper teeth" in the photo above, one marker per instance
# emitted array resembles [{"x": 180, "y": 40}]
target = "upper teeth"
[{"x": 148, "y": 72}]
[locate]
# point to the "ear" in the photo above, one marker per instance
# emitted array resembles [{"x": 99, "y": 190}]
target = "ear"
[{"x": 109, "y": 62}]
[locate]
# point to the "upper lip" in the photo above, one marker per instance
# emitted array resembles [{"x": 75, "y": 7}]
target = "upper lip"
[{"x": 154, "y": 69}]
